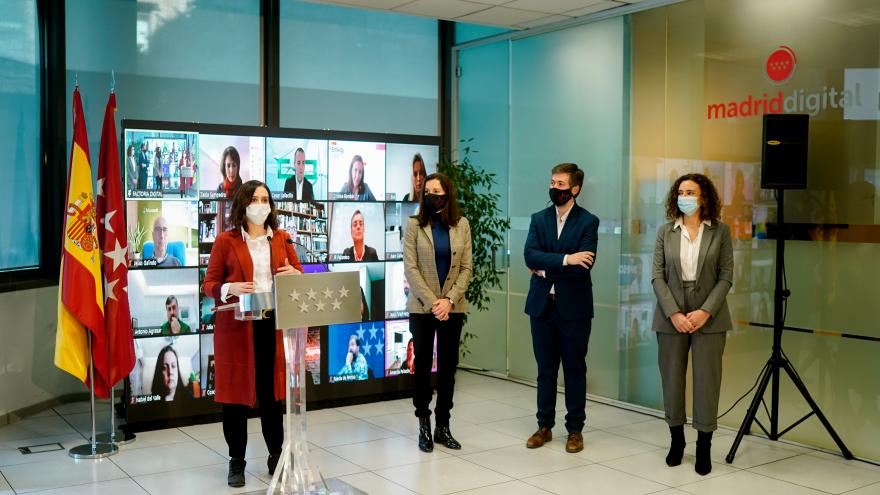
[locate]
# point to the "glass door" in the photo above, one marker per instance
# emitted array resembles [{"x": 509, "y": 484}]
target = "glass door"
[{"x": 482, "y": 126}]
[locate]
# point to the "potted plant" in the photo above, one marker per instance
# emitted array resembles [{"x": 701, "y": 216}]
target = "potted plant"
[
  {"x": 136, "y": 234},
  {"x": 488, "y": 228}
]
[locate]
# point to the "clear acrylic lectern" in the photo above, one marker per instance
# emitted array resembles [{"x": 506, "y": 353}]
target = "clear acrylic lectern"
[{"x": 302, "y": 301}]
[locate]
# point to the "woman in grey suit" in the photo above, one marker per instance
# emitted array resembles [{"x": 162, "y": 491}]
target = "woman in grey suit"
[
  {"x": 437, "y": 255},
  {"x": 693, "y": 272}
]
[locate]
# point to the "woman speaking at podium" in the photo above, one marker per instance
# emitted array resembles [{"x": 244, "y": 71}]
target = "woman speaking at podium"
[
  {"x": 693, "y": 272},
  {"x": 249, "y": 355}
]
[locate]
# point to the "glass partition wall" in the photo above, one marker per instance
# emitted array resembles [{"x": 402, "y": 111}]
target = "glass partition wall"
[
  {"x": 529, "y": 104},
  {"x": 638, "y": 100}
]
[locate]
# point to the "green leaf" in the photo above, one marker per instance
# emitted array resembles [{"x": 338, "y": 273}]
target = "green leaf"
[{"x": 488, "y": 228}]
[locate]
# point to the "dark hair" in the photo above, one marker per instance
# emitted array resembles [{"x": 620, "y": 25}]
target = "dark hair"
[
  {"x": 299, "y": 150},
  {"x": 356, "y": 339},
  {"x": 450, "y": 214},
  {"x": 365, "y": 310},
  {"x": 575, "y": 174},
  {"x": 242, "y": 200},
  {"x": 417, "y": 158},
  {"x": 356, "y": 212},
  {"x": 130, "y": 149},
  {"x": 158, "y": 387},
  {"x": 360, "y": 189},
  {"x": 169, "y": 299},
  {"x": 232, "y": 152},
  {"x": 710, "y": 205}
]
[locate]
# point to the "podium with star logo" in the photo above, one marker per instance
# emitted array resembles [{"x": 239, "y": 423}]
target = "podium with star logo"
[{"x": 302, "y": 301}]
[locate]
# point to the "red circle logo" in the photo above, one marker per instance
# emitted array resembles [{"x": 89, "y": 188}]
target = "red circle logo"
[{"x": 780, "y": 65}]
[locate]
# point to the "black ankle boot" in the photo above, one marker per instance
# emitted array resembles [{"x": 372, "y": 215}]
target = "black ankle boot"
[
  {"x": 235, "y": 478},
  {"x": 443, "y": 436},
  {"x": 676, "y": 446},
  {"x": 272, "y": 462},
  {"x": 425, "y": 442},
  {"x": 703, "y": 466}
]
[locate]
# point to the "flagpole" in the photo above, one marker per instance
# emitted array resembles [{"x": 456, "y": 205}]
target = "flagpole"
[
  {"x": 93, "y": 449},
  {"x": 117, "y": 436}
]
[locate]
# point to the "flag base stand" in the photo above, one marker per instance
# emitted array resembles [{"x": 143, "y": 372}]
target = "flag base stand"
[
  {"x": 93, "y": 451},
  {"x": 118, "y": 438}
]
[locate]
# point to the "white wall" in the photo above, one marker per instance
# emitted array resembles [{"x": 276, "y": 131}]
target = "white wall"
[{"x": 28, "y": 375}]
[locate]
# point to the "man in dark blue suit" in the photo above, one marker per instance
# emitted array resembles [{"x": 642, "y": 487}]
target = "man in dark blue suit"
[{"x": 559, "y": 252}]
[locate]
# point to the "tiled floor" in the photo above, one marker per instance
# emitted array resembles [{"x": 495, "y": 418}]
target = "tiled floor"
[{"x": 373, "y": 448}]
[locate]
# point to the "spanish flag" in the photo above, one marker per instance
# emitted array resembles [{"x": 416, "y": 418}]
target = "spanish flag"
[{"x": 80, "y": 294}]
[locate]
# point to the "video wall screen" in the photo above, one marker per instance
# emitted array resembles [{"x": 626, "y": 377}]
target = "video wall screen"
[{"x": 345, "y": 204}]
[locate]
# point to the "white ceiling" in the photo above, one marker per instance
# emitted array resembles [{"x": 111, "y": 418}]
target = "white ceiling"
[{"x": 513, "y": 14}]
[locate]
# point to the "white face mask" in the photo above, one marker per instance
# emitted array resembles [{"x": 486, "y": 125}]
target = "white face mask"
[{"x": 257, "y": 213}]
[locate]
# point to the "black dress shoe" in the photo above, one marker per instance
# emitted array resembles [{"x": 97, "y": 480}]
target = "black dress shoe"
[
  {"x": 273, "y": 462},
  {"x": 443, "y": 436},
  {"x": 425, "y": 442},
  {"x": 235, "y": 478}
]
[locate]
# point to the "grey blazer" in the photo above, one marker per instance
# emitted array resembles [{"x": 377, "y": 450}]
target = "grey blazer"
[
  {"x": 714, "y": 277},
  {"x": 420, "y": 267}
]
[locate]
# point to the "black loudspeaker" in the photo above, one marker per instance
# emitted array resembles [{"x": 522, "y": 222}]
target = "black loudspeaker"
[{"x": 784, "y": 151}]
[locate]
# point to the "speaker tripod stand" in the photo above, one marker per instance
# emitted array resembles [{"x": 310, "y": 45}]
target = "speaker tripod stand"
[{"x": 778, "y": 362}]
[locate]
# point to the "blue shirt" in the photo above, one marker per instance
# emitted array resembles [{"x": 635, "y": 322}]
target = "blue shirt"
[{"x": 442, "y": 251}]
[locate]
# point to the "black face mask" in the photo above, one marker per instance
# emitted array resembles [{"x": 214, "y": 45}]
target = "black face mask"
[
  {"x": 435, "y": 202},
  {"x": 560, "y": 196}
]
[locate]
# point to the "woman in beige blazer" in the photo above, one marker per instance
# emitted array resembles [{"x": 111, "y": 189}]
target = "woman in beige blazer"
[
  {"x": 437, "y": 255},
  {"x": 693, "y": 272}
]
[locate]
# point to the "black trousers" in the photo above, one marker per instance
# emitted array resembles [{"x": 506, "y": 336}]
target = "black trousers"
[
  {"x": 235, "y": 416},
  {"x": 555, "y": 339},
  {"x": 423, "y": 328}
]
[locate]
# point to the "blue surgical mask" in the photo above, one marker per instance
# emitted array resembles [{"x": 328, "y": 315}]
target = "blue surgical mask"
[{"x": 688, "y": 204}]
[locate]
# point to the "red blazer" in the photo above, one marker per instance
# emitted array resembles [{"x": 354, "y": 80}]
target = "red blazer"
[{"x": 233, "y": 339}]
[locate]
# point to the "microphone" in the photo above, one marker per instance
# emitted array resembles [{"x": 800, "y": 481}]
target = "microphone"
[
  {"x": 291, "y": 241},
  {"x": 271, "y": 258}
]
